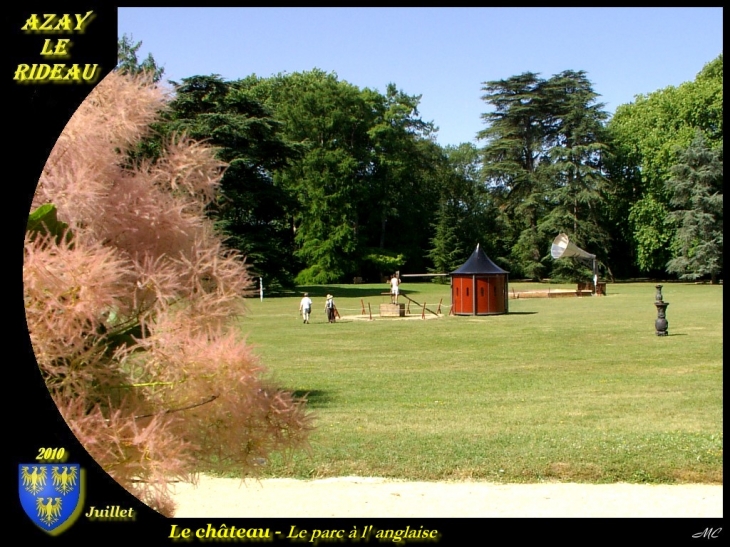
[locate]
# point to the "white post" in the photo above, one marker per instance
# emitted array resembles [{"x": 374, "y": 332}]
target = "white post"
[{"x": 261, "y": 288}]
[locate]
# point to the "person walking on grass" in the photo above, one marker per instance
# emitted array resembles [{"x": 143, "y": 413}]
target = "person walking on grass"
[
  {"x": 305, "y": 307},
  {"x": 329, "y": 308}
]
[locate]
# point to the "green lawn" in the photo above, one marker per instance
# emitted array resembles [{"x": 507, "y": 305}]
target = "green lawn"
[{"x": 569, "y": 389}]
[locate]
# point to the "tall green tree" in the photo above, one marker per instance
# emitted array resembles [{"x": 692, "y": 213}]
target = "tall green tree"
[
  {"x": 648, "y": 135},
  {"x": 422, "y": 195},
  {"x": 250, "y": 209},
  {"x": 129, "y": 63},
  {"x": 514, "y": 158},
  {"x": 543, "y": 163},
  {"x": 696, "y": 197},
  {"x": 359, "y": 183},
  {"x": 576, "y": 181},
  {"x": 465, "y": 215},
  {"x": 405, "y": 163},
  {"x": 330, "y": 120}
]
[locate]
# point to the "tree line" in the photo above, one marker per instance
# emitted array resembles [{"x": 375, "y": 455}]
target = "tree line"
[{"x": 327, "y": 181}]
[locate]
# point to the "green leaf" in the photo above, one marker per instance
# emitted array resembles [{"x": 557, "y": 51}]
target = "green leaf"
[{"x": 44, "y": 221}]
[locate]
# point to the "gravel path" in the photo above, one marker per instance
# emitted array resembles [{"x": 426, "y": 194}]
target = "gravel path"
[{"x": 355, "y": 497}]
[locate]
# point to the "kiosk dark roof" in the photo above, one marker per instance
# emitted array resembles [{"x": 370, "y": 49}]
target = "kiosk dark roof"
[{"x": 478, "y": 263}]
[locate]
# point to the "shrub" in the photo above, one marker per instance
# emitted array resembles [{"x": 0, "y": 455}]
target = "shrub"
[{"x": 133, "y": 313}]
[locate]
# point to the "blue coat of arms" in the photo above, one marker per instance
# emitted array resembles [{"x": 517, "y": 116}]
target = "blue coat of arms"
[{"x": 51, "y": 494}]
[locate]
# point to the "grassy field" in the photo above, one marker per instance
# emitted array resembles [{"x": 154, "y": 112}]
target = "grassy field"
[{"x": 567, "y": 389}]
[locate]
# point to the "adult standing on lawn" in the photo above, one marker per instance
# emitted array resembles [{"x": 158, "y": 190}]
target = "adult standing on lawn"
[
  {"x": 329, "y": 308},
  {"x": 305, "y": 307},
  {"x": 394, "y": 291}
]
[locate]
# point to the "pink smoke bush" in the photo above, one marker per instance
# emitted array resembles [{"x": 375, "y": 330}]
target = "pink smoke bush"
[{"x": 133, "y": 316}]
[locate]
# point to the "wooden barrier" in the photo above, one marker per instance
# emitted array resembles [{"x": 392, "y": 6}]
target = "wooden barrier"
[{"x": 417, "y": 304}]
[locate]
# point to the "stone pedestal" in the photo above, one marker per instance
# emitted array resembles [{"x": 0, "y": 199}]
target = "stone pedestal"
[
  {"x": 661, "y": 325},
  {"x": 392, "y": 310}
]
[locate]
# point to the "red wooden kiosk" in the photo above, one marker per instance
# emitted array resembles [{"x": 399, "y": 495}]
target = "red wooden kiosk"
[{"x": 479, "y": 287}]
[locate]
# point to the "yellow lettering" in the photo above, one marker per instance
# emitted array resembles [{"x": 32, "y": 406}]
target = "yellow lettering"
[
  {"x": 50, "y": 17},
  {"x": 56, "y": 72},
  {"x": 294, "y": 533},
  {"x": 64, "y": 23},
  {"x": 184, "y": 533},
  {"x": 43, "y": 72},
  {"x": 74, "y": 73},
  {"x": 31, "y": 23},
  {"x": 47, "y": 49},
  {"x": 52, "y": 23},
  {"x": 82, "y": 23},
  {"x": 61, "y": 49},
  {"x": 93, "y": 75},
  {"x": 21, "y": 72}
]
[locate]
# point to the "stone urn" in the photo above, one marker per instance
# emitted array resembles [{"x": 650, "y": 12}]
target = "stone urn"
[{"x": 658, "y": 297}]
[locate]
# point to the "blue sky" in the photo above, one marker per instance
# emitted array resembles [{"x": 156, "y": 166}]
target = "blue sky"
[{"x": 442, "y": 54}]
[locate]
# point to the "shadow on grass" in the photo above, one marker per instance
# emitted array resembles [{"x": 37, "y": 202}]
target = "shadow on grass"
[{"x": 315, "y": 398}]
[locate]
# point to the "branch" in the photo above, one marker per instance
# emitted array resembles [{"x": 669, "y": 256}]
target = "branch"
[{"x": 170, "y": 411}]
